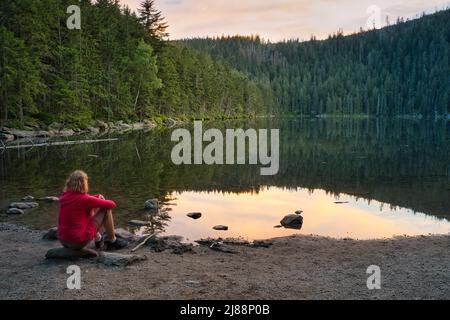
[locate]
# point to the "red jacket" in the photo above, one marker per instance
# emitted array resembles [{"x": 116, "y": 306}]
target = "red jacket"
[{"x": 75, "y": 220}]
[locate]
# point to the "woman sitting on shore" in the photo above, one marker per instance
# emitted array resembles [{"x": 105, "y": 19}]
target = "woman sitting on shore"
[{"x": 83, "y": 218}]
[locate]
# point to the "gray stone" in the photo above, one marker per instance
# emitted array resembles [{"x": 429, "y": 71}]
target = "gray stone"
[
  {"x": 51, "y": 234},
  {"x": 24, "y": 205},
  {"x": 261, "y": 244},
  {"x": 49, "y": 199},
  {"x": 222, "y": 248},
  {"x": 15, "y": 211},
  {"x": 70, "y": 254},
  {"x": 119, "y": 260},
  {"x": 103, "y": 126},
  {"x": 125, "y": 234},
  {"x": 6, "y": 137},
  {"x": 208, "y": 241},
  {"x": 194, "y": 215},
  {"x": 220, "y": 228},
  {"x": 139, "y": 223},
  {"x": 66, "y": 133},
  {"x": 292, "y": 221},
  {"x": 93, "y": 130},
  {"x": 28, "y": 198}
]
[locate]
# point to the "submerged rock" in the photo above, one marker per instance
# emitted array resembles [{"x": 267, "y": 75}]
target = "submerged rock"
[
  {"x": 220, "y": 228},
  {"x": 70, "y": 254},
  {"x": 194, "y": 215},
  {"x": 6, "y": 137},
  {"x": 139, "y": 223},
  {"x": 15, "y": 211},
  {"x": 51, "y": 234},
  {"x": 292, "y": 221},
  {"x": 125, "y": 234},
  {"x": 151, "y": 204},
  {"x": 24, "y": 205},
  {"x": 119, "y": 260}
]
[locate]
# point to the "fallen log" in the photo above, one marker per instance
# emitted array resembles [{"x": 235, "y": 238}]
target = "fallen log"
[{"x": 58, "y": 143}]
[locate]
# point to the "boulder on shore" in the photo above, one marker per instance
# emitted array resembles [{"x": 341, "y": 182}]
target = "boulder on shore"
[
  {"x": 70, "y": 254},
  {"x": 51, "y": 234},
  {"x": 6, "y": 137},
  {"x": 292, "y": 221},
  {"x": 194, "y": 215},
  {"x": 28, "y": 198},
  {"x": 24, "y": 205}
]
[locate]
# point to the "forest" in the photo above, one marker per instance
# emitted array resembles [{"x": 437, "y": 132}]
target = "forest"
[
  {"x": 121, "y": 66},
  {"x": 117, "y": 66},
  {"x": 402, "y": 69}
]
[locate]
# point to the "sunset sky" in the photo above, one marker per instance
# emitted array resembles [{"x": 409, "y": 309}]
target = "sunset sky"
[{"x": 280, "y": 19}]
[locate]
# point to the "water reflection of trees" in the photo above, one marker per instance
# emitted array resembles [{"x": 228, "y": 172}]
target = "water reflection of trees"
[{"x": 402, "y": 163}]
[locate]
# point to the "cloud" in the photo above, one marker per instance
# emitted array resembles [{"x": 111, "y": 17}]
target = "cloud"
[{"x": 279, "y": 19}]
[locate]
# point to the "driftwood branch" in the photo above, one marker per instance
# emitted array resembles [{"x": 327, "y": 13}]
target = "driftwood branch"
[{"x": 59, "y": 143}]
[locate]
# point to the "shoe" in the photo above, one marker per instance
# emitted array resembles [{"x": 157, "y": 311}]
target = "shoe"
[{"x": 116, "y": 245}]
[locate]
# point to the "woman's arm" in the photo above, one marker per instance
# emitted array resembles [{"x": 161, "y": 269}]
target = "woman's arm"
[{"x": 95, "y": 202}]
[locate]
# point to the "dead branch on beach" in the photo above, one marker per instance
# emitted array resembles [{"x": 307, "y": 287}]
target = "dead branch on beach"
[{"x": 58, "y": 143}]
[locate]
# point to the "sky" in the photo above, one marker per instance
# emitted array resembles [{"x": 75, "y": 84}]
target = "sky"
[{"x": 277, "y": 20}]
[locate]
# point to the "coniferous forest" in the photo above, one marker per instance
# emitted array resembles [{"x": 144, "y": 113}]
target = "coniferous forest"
[
  {"x": 120, "y": 66},
  {"x": 402, "y": 69}
]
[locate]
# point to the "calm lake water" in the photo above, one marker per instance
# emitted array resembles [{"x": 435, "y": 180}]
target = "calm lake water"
[{"x": 392, "y": 177}]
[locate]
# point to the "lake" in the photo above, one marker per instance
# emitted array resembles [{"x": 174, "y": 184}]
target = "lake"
[{"x": 352, "y": 178}]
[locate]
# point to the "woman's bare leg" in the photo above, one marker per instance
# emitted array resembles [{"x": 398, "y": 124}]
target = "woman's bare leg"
[
  {"x": 108, "y": 224},
  {"x": 104, "y": 222}
]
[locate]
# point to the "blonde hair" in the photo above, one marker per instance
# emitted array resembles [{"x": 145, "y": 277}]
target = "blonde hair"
[{"x": 78, "y": 182}]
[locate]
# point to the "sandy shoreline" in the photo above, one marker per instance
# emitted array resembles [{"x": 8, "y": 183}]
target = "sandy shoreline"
[{"x": 298, "y": 267}]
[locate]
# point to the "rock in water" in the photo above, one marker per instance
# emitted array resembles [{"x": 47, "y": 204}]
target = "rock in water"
[
  {"x": 15, "y": 211},
  {"x": 51, "y": 234},
  {"x": 69, "y": 254},
  {"x": 49, "y": 199},
  {"x": 28, "y": 198},
  {"x": 299, "y": 212},
  {"x": 24, "y": 205},
  {"x": 151, "y": 204},
  {"x": 139, "y": 223},
  {"x": 220, "y": 228},
  {"x": 119, "y": 260},
  {"x": 194, "y": 215},
  {"x": 292, "y": 221}
]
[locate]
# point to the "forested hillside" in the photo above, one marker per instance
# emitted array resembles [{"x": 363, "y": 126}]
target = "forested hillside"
[
  {"x": 403, "y": 69},
  {"x": 118, "y": 66}
]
